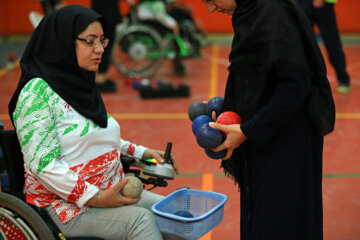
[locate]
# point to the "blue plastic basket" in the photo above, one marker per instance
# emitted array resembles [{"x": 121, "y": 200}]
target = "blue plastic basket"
[{"x": 207, "y": 209}]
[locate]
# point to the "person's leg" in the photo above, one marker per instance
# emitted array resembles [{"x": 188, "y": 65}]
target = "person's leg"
[
  {"x": 102, "y": 79},
  {"x": 326, "y": 21},
  {"x": 308, "y": 9},
  {"x": 127, "y": 223},
  {"x": 148, "y": 199},
  {"x": 109, "y": 9}
]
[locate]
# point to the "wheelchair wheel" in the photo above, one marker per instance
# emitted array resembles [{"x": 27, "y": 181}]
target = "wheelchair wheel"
[
  {"x": 19, "y": 221},
  {"x": 138, "y": 51}
]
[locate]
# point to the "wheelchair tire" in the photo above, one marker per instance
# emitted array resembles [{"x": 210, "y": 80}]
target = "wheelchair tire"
[
  {"x": 138, "y": 51},
  {"x": 18, "y": 220}
]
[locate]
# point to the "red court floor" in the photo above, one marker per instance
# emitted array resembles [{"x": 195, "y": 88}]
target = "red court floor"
[{"x": 154, "y": 122}]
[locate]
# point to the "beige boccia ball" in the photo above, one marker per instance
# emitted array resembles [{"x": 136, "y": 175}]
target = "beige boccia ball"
[{"x": 133, "y": 188}]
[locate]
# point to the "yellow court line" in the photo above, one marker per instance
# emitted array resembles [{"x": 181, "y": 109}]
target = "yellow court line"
[
  {"x": 3, "y": 71},
  {"x": 214, "y": 71},
  {"x": 207, "y": 185},
  {"x": 4, "y": 117},
  {"x": 348, "y": 115}
]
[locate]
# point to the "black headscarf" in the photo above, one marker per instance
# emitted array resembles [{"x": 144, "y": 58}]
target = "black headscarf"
[
  {"x": 50, "y": 55},
  {"x": 273, "y": 33}
]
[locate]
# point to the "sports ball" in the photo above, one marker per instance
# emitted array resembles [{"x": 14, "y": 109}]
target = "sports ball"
[
  {"x": 133, "y": 188},
  {"x": 228, "y": 118},
  {"x": 196, "y": 109},
  {"x": 215, "y": 104},
  {"x": 184, "y": 214},
  {"x": 200, "y": 120},
  {"x": 208, "y": 137},
  {"x": 215, "y": 155}
]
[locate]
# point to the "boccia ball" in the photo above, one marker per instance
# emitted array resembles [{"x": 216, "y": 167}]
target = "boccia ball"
[
  {"x": 133, "y": 188},
  {"x": 200, "y": 120},
  {"x": 228, "y": 118},
  {"x": 136, "y": 84},
  {"x": 208, "y": 137},
  {"x": 196, "y": 109},
  {"x": 184, "y": 214},
  {"x": 215, "y": 104},
  {"x": 215, "y": 155}
]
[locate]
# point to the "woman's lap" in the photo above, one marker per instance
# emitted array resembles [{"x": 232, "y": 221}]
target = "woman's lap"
[{"x": 130, "y": 222}]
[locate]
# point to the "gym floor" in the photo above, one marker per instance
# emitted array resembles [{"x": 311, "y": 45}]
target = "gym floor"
[{"x": 154, "y": 122}]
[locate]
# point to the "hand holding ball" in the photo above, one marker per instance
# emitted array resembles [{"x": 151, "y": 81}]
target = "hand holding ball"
[
  {"x": 201, "y": 115},
  {"x": 133, "y": 188},
  {"x": 228, "y": 118}
]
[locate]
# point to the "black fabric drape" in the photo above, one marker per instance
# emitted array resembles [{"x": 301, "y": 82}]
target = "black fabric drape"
[{"x": 50, "y": 55}]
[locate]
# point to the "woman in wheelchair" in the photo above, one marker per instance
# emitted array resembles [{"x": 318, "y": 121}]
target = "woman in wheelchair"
[{"x": 70, "y": 144}]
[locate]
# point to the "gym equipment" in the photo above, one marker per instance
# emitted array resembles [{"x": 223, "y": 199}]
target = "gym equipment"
[
  {"x": 206, "y": 207},
  {"x": 208, "y": 137},
  {"x": 228, "y": 118},
  {"x": 196, "y": 109},
  {"x": 200, "y": 120},
  {"x": 215, "y": 104},
  {"x": 215, "y": 155}
]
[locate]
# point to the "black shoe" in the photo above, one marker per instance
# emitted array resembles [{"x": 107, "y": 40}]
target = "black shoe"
[{"x": 107, "y": 86}]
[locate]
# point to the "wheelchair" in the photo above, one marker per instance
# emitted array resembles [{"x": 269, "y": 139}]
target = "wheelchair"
[
  {"x": 141, "y": 46},
  {"x": 20, "y": 220}
]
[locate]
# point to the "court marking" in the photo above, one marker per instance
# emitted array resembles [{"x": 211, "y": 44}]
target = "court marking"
[
  {"x": 207, "y": 185},
  {"x": 3, "y": 71},
  {"x": 214, "y": 71}
]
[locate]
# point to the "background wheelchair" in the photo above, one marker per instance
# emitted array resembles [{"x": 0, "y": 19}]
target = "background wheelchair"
[
  {"x": 141, "y": 46},
  {"x": 19, "y": 220}
]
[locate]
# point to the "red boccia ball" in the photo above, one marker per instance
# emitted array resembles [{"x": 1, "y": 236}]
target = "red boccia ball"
[{"x": 228, "y": 118}]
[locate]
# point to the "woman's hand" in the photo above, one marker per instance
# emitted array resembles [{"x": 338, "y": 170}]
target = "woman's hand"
[
  {"x": 112, "y": 197},
  {"x": 159, "y": 156},
  {"x": 234, "y": 138}
]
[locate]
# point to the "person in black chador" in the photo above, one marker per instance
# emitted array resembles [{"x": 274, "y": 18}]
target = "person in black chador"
[
  {"x": 111, "y": 12},
  {"x": 277, "y": 84},
  {"x": 322, "y": 13}
]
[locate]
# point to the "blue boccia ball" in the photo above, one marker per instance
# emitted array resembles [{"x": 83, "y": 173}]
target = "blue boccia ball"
[
  {"x": 215, "y": 104},
  {"x": 208, "y": 137},
  {"x": 184, "y": 214},
  {"x": 200, "y": 120},
  {"x": 215, "y": 155}
]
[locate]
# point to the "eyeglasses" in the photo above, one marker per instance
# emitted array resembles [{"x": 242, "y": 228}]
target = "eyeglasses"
[{"x": 91, "y": 43}]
